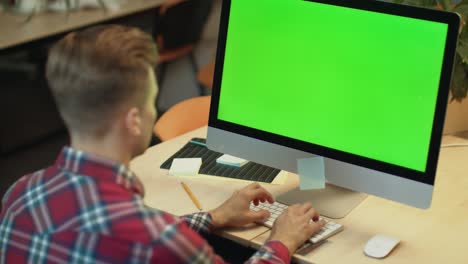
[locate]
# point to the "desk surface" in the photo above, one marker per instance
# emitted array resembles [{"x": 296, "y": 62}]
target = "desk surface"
[
  {"x": 14, "y": 31},
  {"x": 437, "y": 235}
]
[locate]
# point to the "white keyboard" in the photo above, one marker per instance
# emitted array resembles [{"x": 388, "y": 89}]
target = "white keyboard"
[{"x": 276, "y": 209}]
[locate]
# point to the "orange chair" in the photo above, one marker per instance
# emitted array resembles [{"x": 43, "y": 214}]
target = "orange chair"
[
  {"x": 205, "y": 75},
  {"x": 183, "y": 117}
]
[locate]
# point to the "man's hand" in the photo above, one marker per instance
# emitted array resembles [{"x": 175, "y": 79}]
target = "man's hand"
[
  {"x": 294, "y": 226},
  {"x": 235, "y": 211}
]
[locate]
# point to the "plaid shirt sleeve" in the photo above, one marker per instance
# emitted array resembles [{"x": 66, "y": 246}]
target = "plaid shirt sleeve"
[
  {"x": 270, "y": 252},
  {"x": 200, "y": 222},
  {"x": 188, "y": 246}
]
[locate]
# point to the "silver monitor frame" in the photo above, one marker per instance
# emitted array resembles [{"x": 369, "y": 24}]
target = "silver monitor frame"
[{"x": 342, "y": 169}]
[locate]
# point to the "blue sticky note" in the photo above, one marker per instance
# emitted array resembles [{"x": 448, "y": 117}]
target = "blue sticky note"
[{"x": 311, "y": 173}]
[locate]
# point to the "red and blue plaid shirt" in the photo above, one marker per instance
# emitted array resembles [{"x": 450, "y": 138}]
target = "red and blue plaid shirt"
[{"x": 86, "y": 209}]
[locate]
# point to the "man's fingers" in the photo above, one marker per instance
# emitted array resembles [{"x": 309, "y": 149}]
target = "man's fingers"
[
  {"x": 306, "y": 207},
  {"x": 252, "y": 190},
  {"x": 314, "y": 227},
  {"x": 253, "y": 186},
  {"x": 260, "y": 193},
  {"x": 293, "y": 207},
  {"x": 312, "y": 214},
  {"x": 255, "y": 202},
  {"x": 259, "y": 215}
]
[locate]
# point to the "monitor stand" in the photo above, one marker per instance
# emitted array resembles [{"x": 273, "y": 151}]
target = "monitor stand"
[{"x": 333, "y": 201}]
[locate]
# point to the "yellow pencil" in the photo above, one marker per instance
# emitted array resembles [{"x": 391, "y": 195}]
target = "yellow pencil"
[{"x": 192, "y": 197}]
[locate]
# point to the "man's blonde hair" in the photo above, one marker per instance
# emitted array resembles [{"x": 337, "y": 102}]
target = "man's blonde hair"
[{"x": 94, "y": 73}]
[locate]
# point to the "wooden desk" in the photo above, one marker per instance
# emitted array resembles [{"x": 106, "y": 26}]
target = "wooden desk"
[
  {"x": 14, "y": 31},
  {"x": 437, "y": 235}
]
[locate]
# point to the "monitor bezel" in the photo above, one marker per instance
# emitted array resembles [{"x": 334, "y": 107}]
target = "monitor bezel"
[{"x": 428, "y": 176}]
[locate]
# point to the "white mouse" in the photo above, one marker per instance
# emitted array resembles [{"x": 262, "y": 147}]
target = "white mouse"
[{"x": 379, "y": 246}]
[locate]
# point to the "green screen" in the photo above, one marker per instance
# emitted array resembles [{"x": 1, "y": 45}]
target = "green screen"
[{"x": 357, "y": 81}]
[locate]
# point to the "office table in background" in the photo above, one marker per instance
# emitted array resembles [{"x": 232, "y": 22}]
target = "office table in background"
[
  {"x": 14, "y": 31},
  {"x": 437, "y": 235}
]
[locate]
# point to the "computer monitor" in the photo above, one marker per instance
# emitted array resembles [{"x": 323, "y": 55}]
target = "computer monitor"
[{"x": 364, "y": 84}]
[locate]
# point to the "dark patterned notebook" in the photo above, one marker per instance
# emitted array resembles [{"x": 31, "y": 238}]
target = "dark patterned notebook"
[{"x": 196, "y": 148}]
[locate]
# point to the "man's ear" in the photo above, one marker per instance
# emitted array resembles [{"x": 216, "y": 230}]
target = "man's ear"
[{"x": 133, "y": 121}]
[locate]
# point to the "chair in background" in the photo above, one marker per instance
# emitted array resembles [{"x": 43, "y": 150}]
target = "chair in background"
[
  {"x": 205, "y": 75},
  {"x": 177, "y": 29},
  {"x": 183, "y": 117}
]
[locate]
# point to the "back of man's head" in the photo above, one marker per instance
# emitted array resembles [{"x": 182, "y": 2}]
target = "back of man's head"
[{"x": 95, "y": 73}]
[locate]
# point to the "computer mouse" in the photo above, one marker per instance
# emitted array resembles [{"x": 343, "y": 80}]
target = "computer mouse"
[{"x": 379, "y": 246}]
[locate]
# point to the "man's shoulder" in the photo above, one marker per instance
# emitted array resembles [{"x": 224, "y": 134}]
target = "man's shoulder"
[{"x": 18, "y": 188}]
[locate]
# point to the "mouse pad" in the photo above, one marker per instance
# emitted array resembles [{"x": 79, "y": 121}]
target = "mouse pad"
[{"x": 196, "y": 148}]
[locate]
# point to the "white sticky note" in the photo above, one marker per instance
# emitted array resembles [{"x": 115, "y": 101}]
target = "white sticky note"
[
  {"x": 311, "y": 173},
  {"x": 185, "y": 167},
  {"x": 231, "y": 160}
]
